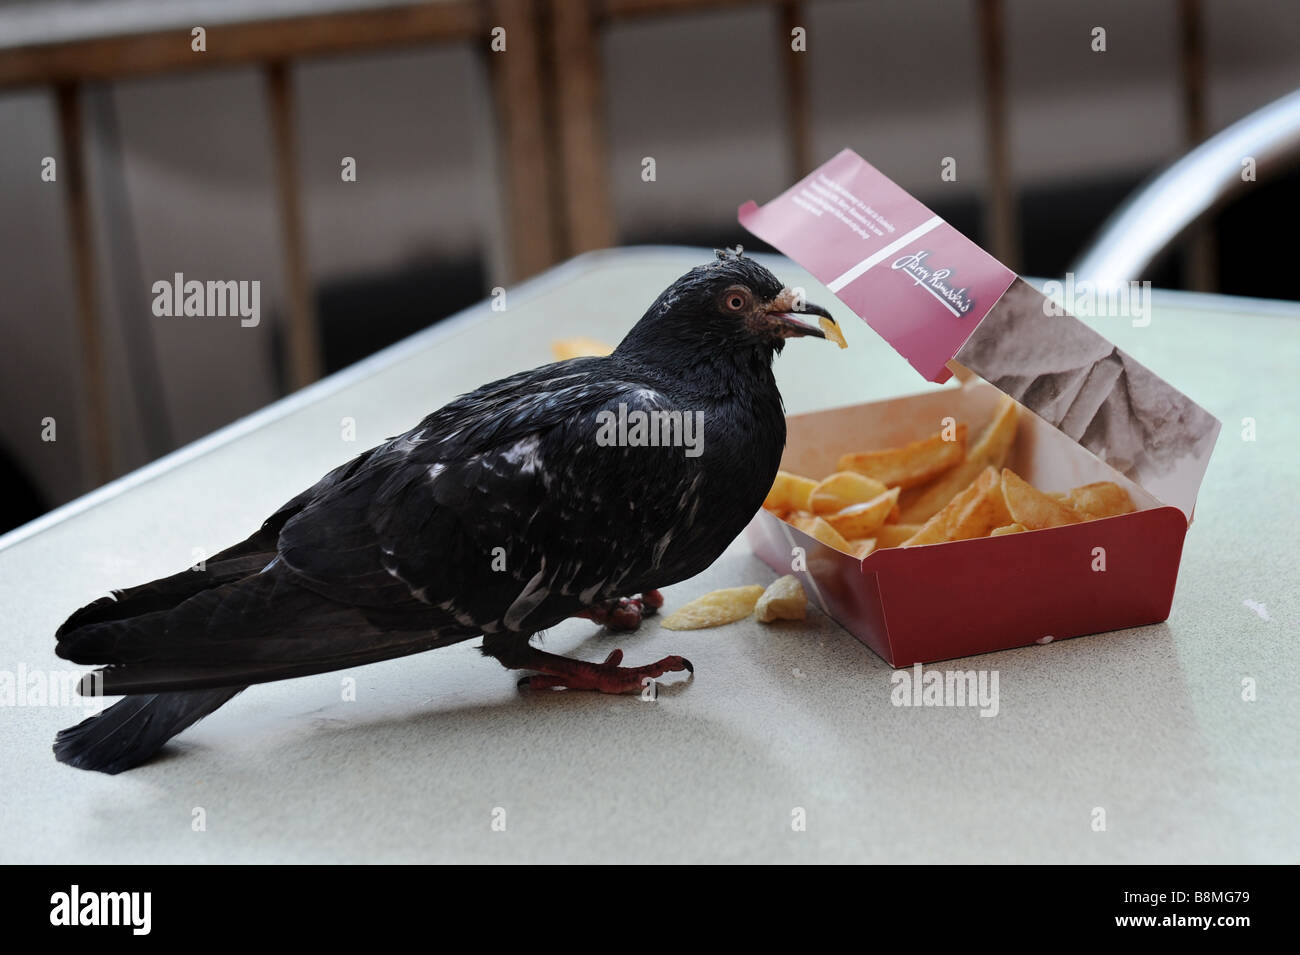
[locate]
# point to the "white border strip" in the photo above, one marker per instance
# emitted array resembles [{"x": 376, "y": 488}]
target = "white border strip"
[{"x": 876, "y": 258}]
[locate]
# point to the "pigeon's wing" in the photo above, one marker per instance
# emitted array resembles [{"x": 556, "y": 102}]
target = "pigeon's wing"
[
  {"x": 509, "y": 512},
  {"x": 374, "y": 560}
]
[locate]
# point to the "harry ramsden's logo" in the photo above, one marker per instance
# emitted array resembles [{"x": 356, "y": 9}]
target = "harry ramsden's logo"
[{"x": 935, "y": 281}]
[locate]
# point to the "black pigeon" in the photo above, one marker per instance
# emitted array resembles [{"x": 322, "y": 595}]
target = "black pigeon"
[{"x": 501, "y": 514}]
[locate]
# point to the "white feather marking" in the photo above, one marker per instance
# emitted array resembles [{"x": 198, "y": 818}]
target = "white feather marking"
[
  {"x": 658, "y": 554},
  {"x": 523, "y": 455},
  {"x": 405, "y": 445},
  {"x": 588, "y": 595},
  {"x": 650, "y": 396},
  {"x": 532, "y": 595},
  {"x": 417, "y": 593}
]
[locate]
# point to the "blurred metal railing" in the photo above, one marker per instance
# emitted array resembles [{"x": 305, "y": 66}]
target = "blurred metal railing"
[
  {"x": 548, "y": 103},
  {"x": 1155, "y": 216}
]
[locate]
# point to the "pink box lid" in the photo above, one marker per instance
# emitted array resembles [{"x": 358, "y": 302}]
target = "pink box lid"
[{"x": 938, "y": 298}]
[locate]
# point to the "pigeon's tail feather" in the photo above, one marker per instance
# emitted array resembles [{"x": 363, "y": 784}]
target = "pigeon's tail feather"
[
  {"x": 251, "y": 623},
  {"x": 167, "y": 592},
  {"x": 134, "y": 729}
]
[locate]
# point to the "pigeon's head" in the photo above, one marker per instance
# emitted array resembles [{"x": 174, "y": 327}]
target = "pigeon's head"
[{"x": 732, "y": 303}]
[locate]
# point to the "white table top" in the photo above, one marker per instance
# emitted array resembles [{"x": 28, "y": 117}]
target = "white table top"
[{"x": 1148, "y": 724}]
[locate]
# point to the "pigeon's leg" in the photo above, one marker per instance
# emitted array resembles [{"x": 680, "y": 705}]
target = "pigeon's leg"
[
  {"x": 624, "y": 613},
  {"x": 516, "y": 653}
]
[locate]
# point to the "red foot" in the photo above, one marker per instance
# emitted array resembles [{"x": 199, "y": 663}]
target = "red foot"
[
  {"x": 625, "y": 613},
  {"x": 607, "y": 677}
]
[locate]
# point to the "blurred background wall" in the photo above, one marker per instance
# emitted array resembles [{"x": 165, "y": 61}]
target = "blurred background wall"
[{"x": 181, "y": 178}]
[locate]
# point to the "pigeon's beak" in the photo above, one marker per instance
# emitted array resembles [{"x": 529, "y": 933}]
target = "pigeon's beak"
[
  {"x": 791, "y": 325},
  {"x": 787, "y": 316}
]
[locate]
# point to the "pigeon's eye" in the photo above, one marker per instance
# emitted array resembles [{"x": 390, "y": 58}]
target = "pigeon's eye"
[{"x": 735, "y": 300}]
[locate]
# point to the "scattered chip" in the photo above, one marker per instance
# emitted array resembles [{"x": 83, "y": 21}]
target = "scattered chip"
[
  {"x": 919, "y": 504},
  {"x": 789, "y": 492},
  {"x": 912, "y": 464},
  {"x": 579, "y": 347},
  {"x": 842, "y": 489},
  {"x": 1008, "y": 529},
  {"x": 862, "y": 520},
  {"x": 783, "y": 599},
  {"x": 1031, "y": 507},
  {"x": 715, "y": 609},
  {"x": 1102, "y": 499}
]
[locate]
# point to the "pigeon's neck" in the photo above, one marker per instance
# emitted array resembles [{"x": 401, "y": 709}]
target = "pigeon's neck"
[{"x": 722, "y": 373}]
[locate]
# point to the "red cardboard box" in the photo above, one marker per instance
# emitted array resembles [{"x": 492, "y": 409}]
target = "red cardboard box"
[{"x": 1089, "y": 412}]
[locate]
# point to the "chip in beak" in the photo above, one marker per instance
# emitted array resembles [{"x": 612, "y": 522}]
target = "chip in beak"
[{"x": 789, "y": 317}]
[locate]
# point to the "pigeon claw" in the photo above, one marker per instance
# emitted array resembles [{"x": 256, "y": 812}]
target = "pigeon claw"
[{"x": 606, "y": 677}]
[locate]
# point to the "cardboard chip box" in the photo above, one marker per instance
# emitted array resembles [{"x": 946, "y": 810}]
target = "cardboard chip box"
[{"x": 1089, "y": 413}]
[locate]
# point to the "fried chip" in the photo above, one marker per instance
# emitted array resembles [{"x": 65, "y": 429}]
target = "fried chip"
[
  {"x": 862, "y": 520},
  {"x": 842, "y": 489},
  {"x": 1031, "y": 507},
  {"x": 1102, "y": 499},
  {"x": 715, "y": 609},
  {"x": 789, "y": 491},
  {"x": 892, "y": 535},
  {"x": 800, "y": 519},
  {"x": 784, "y": 599},
  {"x": 831, "y": 329},
  {"x": 818, "y": 529},
  {"x": 912, "y": 464},
  {"x": 972, "y": 513},
  {"x": 933, "y": 491},
  {"x": 863, "y": 547},
  {"x": 579, "y": 347},
  {"x": 919, "y": 504}
]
